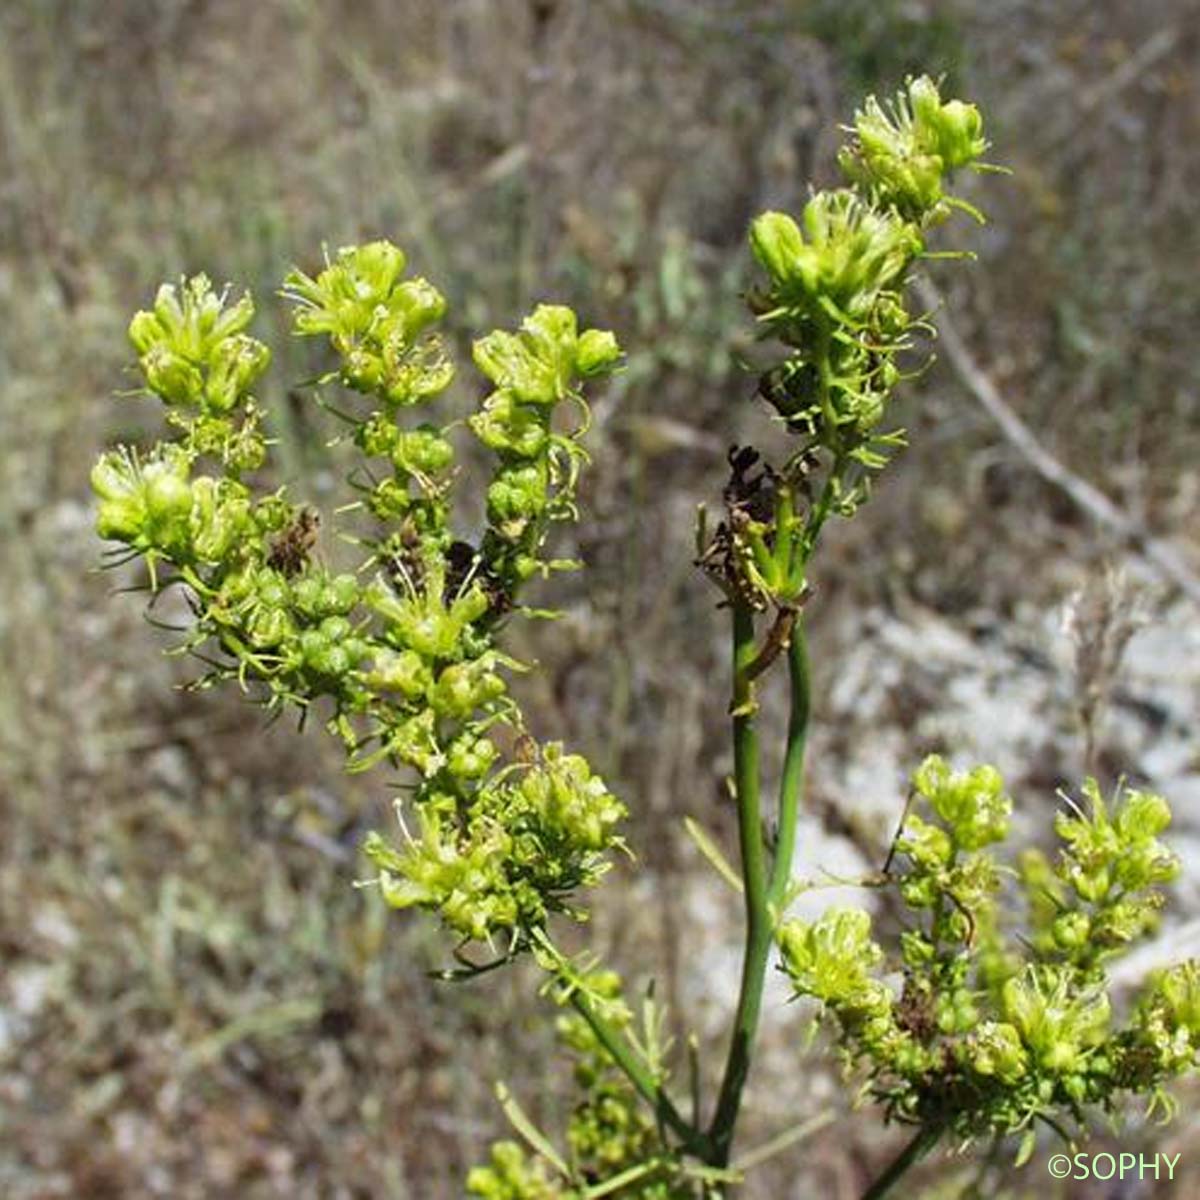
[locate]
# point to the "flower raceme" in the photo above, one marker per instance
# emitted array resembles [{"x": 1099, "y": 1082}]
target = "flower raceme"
[
  {"x": 401, "y": 652},
  {"x": 902, "y": 152},
  {"x": 834, "y": 300},
  {"x": 988, "y": 1031}
]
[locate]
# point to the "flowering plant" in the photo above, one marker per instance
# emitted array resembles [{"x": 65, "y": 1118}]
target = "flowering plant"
[{"x": 970, "y": 1031}]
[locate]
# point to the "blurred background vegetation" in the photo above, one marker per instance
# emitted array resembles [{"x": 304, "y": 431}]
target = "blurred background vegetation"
[{"x": 194, "y": 1000}]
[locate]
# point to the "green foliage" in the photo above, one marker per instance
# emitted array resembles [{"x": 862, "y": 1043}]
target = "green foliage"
[{"x": 992, "y": 1028}]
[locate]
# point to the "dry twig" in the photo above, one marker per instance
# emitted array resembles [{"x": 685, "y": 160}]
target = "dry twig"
[{"x": 1162, "y": 557}]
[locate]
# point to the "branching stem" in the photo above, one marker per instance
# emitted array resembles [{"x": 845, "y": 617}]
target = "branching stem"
[
  {"x": 638, "y": 1074},
  {"x": 918, "y": 1147},
  {"x": 760, "y": 891}
]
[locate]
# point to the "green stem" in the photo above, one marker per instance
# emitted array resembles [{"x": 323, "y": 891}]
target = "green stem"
[
  {"x": 791, "y": 784},
  {"x": 923, "y": 1141},
  {"x": 636, "y": 1071},
  {"x": 754, "y": 876}
]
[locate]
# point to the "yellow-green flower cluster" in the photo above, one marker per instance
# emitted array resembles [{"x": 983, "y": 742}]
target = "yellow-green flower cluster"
[
  {"x": 197, "y": 359},
  {"x": 902, "y": 152},
  {"x": 1101, "y": 893},
  {"x": 398, "y": 655},
  {"x": 982, "y": 1033},
  {"x": 835, "y": 280},
  {"x": 533, "y": 371},
  {"x": 1165, "y": 1039},
  {"x": 833, "y": 297},
  {"x": 511, "y": 1174},
  {"x": 378, "y": 322},
  {"x": 525, "y": 841}
]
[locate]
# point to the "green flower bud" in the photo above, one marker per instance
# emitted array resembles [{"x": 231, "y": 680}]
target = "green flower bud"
[
  {"x": 956, "y": 1012},
  {"x": 235, "y": 366},
  {"x": 372, "y": 269},
  {"x": 597, "y": 353},
  {"x": 171, "y": 377},
  {"x": 777, "y": 243},
  {"x": 335, "y": 629},
  {"x": 340, "y": 595},
  {"x": 507, "y": 427},
  {"x": 272, "y": 588},
  {"x": 117, "y": 482},
  {"x": 144, "y": 331},
  {"x": 168, "y": 499},
  {"x": 389, "y": 500},
  {"x": 463, "y": 687},
  {"x": 418, "y": 305},
  {"x": 362, "y": 369},
  {"x": 422, "y": 450},
  {"x": 377, "y": 436},
  {"x": 313, "y": 643},
  {"x": 404, "y": 672},
  {"x": 1072, "y": 930},
  {"x": 220, "y": 518},
  {"x": 920, "y": 891},
  {"x": 307, "y": 592},
  {"x": 517, "y": 495},
  {"x": 330, "y": 659},
  {"x": 471, "y": 757},
  {"x": 917, "y": 950},
  {"x": 927, "y": 845}
]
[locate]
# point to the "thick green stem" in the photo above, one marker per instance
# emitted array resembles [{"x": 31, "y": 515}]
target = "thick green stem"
[
  {"x": 754, "y": 878},
  {"x": 760, "y": 893},
  {"x": 791, "y": 785},
  {"x": 923, "y": 1141},
  {"x": 624, "y": 1056}
]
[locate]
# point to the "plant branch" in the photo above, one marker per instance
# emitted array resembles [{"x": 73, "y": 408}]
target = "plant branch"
[
  {"x": 922, "y": 1142},
  {"x": 791, "y": 784},
  {"x": 636, "y": 1071},
  {"x": 754, "y": 875}
]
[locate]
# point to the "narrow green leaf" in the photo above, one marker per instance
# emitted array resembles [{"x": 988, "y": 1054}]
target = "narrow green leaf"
[
  {"x": 519, "y": 1120},
  {"x": 1026, "y": 1148},
  {"x": 712, "y": 852}
]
